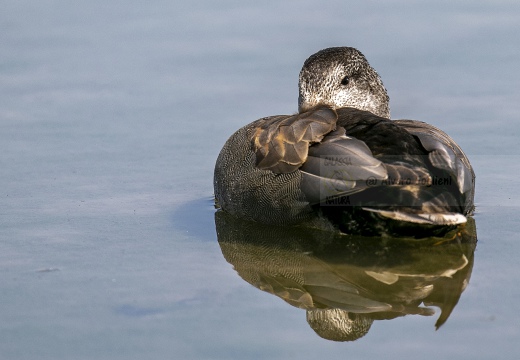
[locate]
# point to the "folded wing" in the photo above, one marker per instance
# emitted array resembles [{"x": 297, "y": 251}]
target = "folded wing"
[
  {"x": 281, "y": 143},
  {"x": 338, "y": 166}
]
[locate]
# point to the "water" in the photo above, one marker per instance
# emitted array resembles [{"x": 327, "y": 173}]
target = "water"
[{"x": 111, "y": 118}]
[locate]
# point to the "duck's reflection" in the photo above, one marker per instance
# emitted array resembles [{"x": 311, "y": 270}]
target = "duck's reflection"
[{"x": 345, "y": 282}]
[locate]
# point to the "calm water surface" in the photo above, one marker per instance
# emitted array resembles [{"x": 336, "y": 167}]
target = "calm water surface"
[{"x": 111, "y": 118}]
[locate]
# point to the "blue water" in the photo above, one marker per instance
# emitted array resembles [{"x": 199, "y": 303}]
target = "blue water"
[{"x": 112, "y": 115}]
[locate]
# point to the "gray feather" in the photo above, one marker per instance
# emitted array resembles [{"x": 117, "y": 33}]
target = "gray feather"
[
  {"x": 340, "y": 165},
  {"x": 445, "y": 154}
]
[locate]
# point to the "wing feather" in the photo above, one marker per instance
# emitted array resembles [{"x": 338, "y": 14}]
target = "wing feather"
[{"x": 281, "y": 143}]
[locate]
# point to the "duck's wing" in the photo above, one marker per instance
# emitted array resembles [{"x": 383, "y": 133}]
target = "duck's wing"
[
  {"x": 281, "y": 143},
  {"x": 338, "y": 166},
  {"x": 331, "y": 163},
  {"x": 445, "y": 154}
]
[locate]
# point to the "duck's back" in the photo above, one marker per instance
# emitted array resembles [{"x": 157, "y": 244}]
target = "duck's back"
[
  {"x": 384, "y": 137},
  {"x": 419, "y": 144},
  {"x": 429, "y": 180}
]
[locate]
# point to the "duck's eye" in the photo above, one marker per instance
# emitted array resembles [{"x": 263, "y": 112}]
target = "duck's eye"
[{"x": 345, "y": 80}]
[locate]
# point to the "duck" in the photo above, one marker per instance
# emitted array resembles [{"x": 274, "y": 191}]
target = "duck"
[{"x": 340, "y": 163}]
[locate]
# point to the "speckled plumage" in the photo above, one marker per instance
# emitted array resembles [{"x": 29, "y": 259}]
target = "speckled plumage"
[
  {"x": 384, "y": 175},
  {"x": 319, "y": 85}
]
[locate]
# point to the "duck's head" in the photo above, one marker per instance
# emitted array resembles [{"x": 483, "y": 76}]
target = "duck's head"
[
  {"x": 341, "y": 77},
  {"x": 338, "y": 325}
]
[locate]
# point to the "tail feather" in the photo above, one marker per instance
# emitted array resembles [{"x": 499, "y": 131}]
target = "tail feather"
[{"x": 447, "y": 218}]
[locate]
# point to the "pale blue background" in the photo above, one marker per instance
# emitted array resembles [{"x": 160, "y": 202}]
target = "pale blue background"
[{"x": 112, "y": 114}]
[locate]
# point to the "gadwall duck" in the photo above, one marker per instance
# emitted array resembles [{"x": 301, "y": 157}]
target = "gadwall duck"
[{"x": 341, "y": 163}]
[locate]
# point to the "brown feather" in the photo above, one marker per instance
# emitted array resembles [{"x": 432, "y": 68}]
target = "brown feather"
[{"x": 281, "y": 143}]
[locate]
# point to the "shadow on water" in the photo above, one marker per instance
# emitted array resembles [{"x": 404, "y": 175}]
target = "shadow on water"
[
  {"x": 196, "y": 218},
  {"x": 345, "y": 283}
]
